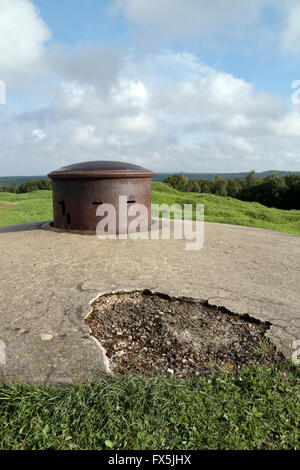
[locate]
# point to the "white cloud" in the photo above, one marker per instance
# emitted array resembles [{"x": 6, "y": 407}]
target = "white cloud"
[
  {"x": 22, "y": 36},
  {"x": 85, "y": 136},
  {"x": 179, "y": 19},
  {"x": 87, "y": 64},
  {"x": 192, "y": 17},
  {"x": 290, "y": 38},
  {"x": 288, "y": 125},
  {"x": 228, "y": 91},
  {"x": 141, "y": 123},
  {"x": 38, "y": 135},
  {"x": 130, "y": 93},
  {"x": 241, "y": 144},
  {"x": 70, "y": 94},
  {"x": 167, "y": 112}
]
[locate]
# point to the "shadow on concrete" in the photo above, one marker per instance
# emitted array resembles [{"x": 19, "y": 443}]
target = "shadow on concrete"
[{"x": 21, "y": 227}]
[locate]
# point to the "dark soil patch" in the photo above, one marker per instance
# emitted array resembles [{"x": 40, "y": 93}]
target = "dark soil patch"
[{"x": 155, "y": 334}]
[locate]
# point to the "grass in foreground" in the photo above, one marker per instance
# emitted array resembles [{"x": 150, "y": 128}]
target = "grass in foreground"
[
  {"x": 256, "y": 409},
  {"x": 37, "y": 206}
]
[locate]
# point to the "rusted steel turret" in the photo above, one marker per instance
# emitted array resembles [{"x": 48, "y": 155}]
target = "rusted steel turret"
[{"x": 80, "y": 188}]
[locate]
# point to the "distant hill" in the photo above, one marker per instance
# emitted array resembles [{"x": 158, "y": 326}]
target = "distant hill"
[{"x": 6, "y": 180}]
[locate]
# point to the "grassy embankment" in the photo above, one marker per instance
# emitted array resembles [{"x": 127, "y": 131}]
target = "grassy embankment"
[
  {"x": 23, "y": 208},
  {"x": 31, "y": 207}
]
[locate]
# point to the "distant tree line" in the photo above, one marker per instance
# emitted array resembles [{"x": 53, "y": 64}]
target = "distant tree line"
[
  {"x": 27, "y": 187},
  {"x": 282, "y": 192},
  {"x": 274, "y": 191}
]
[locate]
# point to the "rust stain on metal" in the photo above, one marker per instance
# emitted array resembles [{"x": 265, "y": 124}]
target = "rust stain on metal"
[{"x": 79, "y": 189}]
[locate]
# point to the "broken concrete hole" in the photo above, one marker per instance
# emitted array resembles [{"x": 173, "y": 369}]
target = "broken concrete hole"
[{"x": 155, "y": 334}]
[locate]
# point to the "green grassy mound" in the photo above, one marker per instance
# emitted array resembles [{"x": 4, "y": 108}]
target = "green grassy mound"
[
  {"x": 37, "y": 206},
  {"x": 23, "y": 208},
  {"x": 227, "y": 210}
]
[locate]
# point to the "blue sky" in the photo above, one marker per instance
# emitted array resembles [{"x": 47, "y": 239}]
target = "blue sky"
[
  {"x": 72, "y": 21},
  {"x": 174, "y": 85}
]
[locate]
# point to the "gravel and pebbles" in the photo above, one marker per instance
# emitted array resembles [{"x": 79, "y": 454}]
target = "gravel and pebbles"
[{"x": 154, "y": 334}]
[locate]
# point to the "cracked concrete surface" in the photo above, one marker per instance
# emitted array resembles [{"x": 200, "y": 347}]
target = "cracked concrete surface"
[{"x": 49, "y": 279}]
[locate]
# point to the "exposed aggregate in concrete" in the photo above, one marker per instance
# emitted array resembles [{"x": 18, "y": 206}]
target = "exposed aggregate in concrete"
[{"x": 154, "y": 334}]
